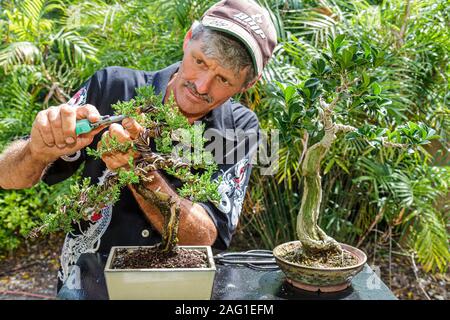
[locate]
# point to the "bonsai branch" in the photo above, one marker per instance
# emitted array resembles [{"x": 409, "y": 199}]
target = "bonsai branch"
[{"x": 393, "y": 144}]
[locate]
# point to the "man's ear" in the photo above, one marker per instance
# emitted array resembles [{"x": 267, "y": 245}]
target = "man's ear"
[
  {"x": 251, "y": 84},
  {"x": 188, "y": 35}
]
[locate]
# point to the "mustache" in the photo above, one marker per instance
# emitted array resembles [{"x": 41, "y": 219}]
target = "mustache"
[{"x": 192, "y": 87}]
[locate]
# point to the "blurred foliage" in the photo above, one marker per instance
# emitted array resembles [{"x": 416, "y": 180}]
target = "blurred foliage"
[
  {"x": 23, "y": 210},
  {"x": 394, "y": 53}
]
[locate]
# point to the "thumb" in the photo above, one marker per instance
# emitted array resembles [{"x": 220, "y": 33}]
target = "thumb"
[{"x": 132, "y": 127}]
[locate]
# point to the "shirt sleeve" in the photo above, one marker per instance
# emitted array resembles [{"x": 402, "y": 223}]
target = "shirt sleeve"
[
  {"x": 234, "y": 179},
  {"x": 88, "y": 93}
]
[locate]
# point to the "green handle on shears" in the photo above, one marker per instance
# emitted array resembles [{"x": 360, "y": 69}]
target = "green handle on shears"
[{"x": 83, "y": 126}]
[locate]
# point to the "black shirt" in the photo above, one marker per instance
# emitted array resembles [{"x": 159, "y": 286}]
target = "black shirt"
[{"x": 125, "y": 224}]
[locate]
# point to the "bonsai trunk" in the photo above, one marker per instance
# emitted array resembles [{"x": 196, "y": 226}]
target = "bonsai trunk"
[
  {"x": 313, "y": 238},
  {"x": 170, "y": 212},
  {"x": 150, "y": 162}
]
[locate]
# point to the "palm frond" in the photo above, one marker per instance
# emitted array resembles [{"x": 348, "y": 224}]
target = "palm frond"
[
  {"x": 432, "y": 242},
  {"x": 28, "y": 21},
  {"x": 18, "y": 53},
  {"x": 73, "y": 48}
]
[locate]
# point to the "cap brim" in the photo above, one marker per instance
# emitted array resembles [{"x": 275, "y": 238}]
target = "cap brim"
[{"x": 239, "y": 32}]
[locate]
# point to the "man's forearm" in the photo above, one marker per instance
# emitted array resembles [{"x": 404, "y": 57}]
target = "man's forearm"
[
  {"x": 18, "y": 168},
  {"x": 195, "y": 226}
]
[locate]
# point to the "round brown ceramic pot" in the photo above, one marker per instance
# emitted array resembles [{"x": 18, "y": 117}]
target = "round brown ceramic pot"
[{"x": 318, "y": 279}]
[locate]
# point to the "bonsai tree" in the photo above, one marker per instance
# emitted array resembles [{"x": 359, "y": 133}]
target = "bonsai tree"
[
  {"x": 319, "y": 108},
  {"x": 165, "y": 124}
]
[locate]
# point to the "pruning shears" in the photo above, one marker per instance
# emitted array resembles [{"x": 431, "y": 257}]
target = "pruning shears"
[{"x": 85, "y": 126}]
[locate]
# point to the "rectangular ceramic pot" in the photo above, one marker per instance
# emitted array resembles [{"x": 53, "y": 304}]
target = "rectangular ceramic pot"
[{"x": 160, "y": 284}]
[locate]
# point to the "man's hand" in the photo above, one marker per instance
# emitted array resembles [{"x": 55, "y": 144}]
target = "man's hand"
[
  {"x": 53, "y": 131},
  {"x": 128, "y": 131}
]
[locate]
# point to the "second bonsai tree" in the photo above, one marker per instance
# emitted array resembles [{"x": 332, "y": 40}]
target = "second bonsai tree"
[{"x": 342, "y": 83}]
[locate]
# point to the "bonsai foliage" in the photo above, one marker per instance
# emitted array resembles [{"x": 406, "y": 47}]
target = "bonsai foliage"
[
  {"x": 164, "y": 124},
  {"x": 314, "y": 112}
]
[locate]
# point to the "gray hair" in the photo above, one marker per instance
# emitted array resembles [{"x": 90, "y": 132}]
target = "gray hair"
[{"x": 230, "y": 52}]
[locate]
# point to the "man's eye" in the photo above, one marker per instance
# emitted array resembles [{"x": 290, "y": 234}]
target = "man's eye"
[
  {"x": 198, "y": 61},
  {"x": 223, "y": 80}
]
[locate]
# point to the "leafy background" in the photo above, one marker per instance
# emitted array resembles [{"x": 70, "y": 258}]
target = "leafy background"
[{"x": 398, "y": 50}]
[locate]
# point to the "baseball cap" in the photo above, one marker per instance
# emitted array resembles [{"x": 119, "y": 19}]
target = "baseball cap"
[{"x": 248, "y": 22}]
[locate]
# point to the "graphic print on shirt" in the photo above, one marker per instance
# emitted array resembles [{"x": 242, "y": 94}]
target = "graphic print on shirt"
[
  {"x": 84, "y": 241},
  {"x": 79, "y": 98},
  {"x": 232, "y": 190}
]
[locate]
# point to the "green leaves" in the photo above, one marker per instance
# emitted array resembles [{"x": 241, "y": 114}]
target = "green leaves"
[
  {"x": 169, "y": 113},
  {"x": 347, "y": 57},
  {"x": 109, "y": 145},
  {"x": 20, "y": 211},
  {"x": 320, "y": 67},
  {"x": 73, "y": 48},
  {"x": 410, "y": 135},
  {"x": 127, "y": 108},
  {"x": 369, "y": 133},
  {"x": 350, "y": 54},
  {"x": 200, "y": 187},
  {"x": 19, "y": 53},
  {"x": 432, "y": 242},
  {"x": 34, "y": 38},
  {"x": 311, "y": 88},
  {"x": 128, "y": 176},
  {"x": 337, "y": 43},
  {"x": 376, "y": 88},
  {"x": 414, "y": 134},
  {"x": 289, "y": 93}
]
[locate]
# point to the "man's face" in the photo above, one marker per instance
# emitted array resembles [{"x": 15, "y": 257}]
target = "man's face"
[{"x": 202, "y": 84}]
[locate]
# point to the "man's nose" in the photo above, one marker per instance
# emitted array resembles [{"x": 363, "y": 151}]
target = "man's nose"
[{"x": 203, "y": 83}]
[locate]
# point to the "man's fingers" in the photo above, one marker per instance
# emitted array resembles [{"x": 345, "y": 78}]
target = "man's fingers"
[
  {"x": 89, "y": 112},
  {"x": 104, "y": 139},
  {"x": 116, "y": 130},
  {"x": 43, "y": 126},
  {"x": 68, "y": 120},
  {"x": 93, "y": 133},
  {"x": 132, "y": 126},
  {"x": 55, "y": 126},
  {"x": 115, "y": 161},
  {"x": 54, "y": 118},
  {"x": 83, "y": 140}
]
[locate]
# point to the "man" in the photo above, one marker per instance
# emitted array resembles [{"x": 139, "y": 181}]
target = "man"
[{"x": 223, "y": 55}]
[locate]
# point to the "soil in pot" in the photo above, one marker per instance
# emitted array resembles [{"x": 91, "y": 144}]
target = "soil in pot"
[
  {"x": 152, "y": 258},
  {"x": 323, "y": 260}
]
